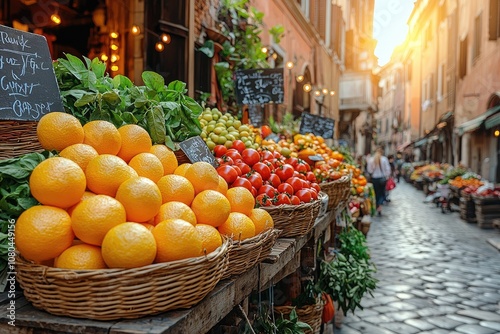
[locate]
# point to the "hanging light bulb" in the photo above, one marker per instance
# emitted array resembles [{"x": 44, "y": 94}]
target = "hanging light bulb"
[
  {"x": 159, "y": 46},
  {"x": 324, "y": 91},
  {"x": 104, "y": 57},
  {"x": 135, "y": 30},
  {"x": 307, "y": 88},
  {"x": 113, "y": 34},
  {"x": 300, "y": 78},
  {"x": 332, "y": 92},
  {"x": 264, "y": 49},
  {"x": 165, "y": 38},
  {"x": 114, "y": 58},
  {"x": 114, "y": 46},
  {"x": 114, "y": 68},
  {"x": 55, "y": 18},
  {"x": 289, "y": 65},
  {"x": 275, "y": 56},
  {"x": 317, "y": 93}
]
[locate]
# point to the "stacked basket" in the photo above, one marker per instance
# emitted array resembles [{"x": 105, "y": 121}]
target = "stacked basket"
[
  {"x": 338, "y": 191},
  {"x": 310, "y": 314},
  {"x": 108, "y": 294}
]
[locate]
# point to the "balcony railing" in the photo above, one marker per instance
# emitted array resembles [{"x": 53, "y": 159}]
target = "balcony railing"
[{"x": 358, "y": 91}]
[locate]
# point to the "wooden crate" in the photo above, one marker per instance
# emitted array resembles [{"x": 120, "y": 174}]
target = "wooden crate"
[{"x": 487, "y": 210}]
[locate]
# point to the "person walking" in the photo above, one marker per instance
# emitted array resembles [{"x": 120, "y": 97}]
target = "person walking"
[{"x": 379, "y": 168}]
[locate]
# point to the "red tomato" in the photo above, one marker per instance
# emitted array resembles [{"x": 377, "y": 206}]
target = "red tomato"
[
  {"x": 274, "y": 180},
  {"x": 245, "y": 169},
  {"x": 268, "y": 190},
  {"x": 295, "y": 200},
  {"x": 315, "y": 186},
  {"x": 311, "y": 177},
  {"x": 238, "y": 170},
  {"x": 306, "y": 184},
  {"x": 296, "y": 183},
  {"x": 254, "y": 192},
  {"x": 250, "y": 156},
  {"x": 227, "y": 160},
  {"x": 266, "y": 155},
  {"x": 277, "y": 154},
  {"x": 284, "y": 172},
  {"x": 314, "y": 194},
  {"x": 304, "y": 195},
  {"x": 228, "y": 173},
  {"x": 220, "y": 150},
  {"x": 285, "y": 188},
  {"x": 233, "y": 154},
  {"x": 277, "y": 162},
  {"x": 220, "y": 161},
  {"x": 283, "y": 199},
  {"x": 263, "y": 200},
  {"x": 301, "y": 168},
  {"x": 262, "y": 169},
  {"x": 238, "y": 145},
  {"x": 242, "y": 182},
  {"x": 270, "y": 165},
  {"x": 255, "y": 179},
  {"x": 299, "y": 175},
  {"x": 292, "y": 161}
]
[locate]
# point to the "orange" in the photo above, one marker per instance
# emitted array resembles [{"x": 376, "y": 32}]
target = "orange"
[
  {"x": 58, "y": 130},
  {"x": 176, "y": 239},
  {"x": 262, "y": 220},
  {"x": 222, "y": 187},
  {"x": 86, "y": 194},
  {"x": 211, "y": 208},
  {"x": 135, "y": 140},
  {"x": 203, "y": 176},
  {"x": 241, "y": 200},
  {"x": 58, "y": 182},
  {"x": 103, "y": 136},
  {"x": 176, "y": 188},
  {"x": 43, "y": 232},
  {"x": 95, "y": 216},
  {"x": 167, "y": 158},
  {"x": 211, "y": 238},
  {"x": 147, "y": 165},
  {"x": 81, "y": 257},
  {"x": 238, "y": 226},
  {"x": 171, "y": 210},
  {"x": 106, "y": 172},
  {"x": 128, "y": 245},
  {"x": 181, "y": 170},
  {"x": 79, "y": 153},
  {"x": 141, "y": 198}
]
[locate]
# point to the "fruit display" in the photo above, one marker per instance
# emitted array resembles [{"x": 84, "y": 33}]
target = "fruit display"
[
  {"x": 224, "y": 129},
  {"x": 125, "y": 203},
  {"x": 466, "y": 180},
  {"x": 271, "y": 178}
]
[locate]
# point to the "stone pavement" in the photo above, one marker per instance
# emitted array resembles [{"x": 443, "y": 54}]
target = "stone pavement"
[{"x": 438, "y": 274}]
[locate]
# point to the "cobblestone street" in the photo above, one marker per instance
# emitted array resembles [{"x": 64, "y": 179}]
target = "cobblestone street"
[{"x": 438, "y": 274}]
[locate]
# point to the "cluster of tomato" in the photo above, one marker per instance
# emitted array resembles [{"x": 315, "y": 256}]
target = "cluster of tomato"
[{"x": 272, "y": 178}]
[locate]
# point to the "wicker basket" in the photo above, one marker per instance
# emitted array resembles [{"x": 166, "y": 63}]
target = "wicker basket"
[
  {"x": 310, "y": 314},
  {"x": 337, "y": 191},
  {"x": 294, "y": 220},
  {"x": 18, "y": 138},
  {"x": 108, "y": 294},
  {"x": 247, "y": 253}
]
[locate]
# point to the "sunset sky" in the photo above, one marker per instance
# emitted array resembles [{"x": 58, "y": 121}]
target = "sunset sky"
[{"x": 389, "y": 26}]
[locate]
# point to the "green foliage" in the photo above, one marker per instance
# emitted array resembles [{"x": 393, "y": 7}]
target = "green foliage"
[
  {"x": 165, "y": 111},
  {"x": 265, "y": 324}
]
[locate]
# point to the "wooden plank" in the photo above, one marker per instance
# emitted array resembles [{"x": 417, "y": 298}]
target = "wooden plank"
[
  {"x": 289, "y": 268},
  {"x": 268, "y": 271}
]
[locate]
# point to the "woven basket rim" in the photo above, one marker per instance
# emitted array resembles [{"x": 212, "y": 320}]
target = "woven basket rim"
[
  {"x": 287, "y": 207},
  {"x": 342, "y": 179},
  {"x": 255, "y": 239},
  {"x": 226, "y": 245}
]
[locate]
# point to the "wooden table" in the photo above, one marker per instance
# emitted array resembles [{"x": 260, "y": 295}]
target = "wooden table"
[{"x": 283, "y": 260}]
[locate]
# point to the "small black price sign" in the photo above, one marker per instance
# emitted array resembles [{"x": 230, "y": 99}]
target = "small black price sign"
[
  {"x": 318, "y": 125},
  {"x": 196, "y": 150},
  {"x": 27, "y": 81},
  {"x": 260, "y": 86}
]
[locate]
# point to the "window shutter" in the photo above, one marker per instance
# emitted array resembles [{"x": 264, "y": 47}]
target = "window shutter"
[{"x": 493, "y": 20}]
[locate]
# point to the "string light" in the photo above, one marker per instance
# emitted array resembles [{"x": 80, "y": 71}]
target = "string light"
[
  {"x": 114, "y": 68},
  {"x": 317, "y": 93},
  {"x": 264, "y": 49},
  {"x": 104, "y": 57},
  {"x": 135, "y": 30},
  {"x": 114, "y": 58},
  {"x": 55, "y": 18},
  {"x": 159, "y": 46},
  {"x": 165, "y": 38},
  {"x": 307, "y": 88},
  {"x": 114, "y": 46},
  {"x": 113, "y": 34},
  {"x": 289, "y": 65},
  {"x": 332, "y": 92},
  {"x": 325, "y": 91},
  {"x": 300, "y": 78}
]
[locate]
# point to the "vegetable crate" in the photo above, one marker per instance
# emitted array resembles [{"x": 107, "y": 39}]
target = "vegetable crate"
[
  {"x": 467, "y": 208},
  {"x": 487, "y": 210}
]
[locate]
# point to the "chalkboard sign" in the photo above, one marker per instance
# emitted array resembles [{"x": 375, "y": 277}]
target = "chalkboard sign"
[
  {"x": 320, "y": 126},
  {"x": 256, "y": 87},
  {"x": 256, "y": 115},
  {"x": 27, "y": 82},
  {"x": 197, "y": 150}
]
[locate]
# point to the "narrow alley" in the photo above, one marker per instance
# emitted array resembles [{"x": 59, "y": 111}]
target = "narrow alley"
[{"x": 438, "y": 274}]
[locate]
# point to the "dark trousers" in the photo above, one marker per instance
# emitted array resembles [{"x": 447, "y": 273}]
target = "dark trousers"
[{"x": 379, "y": 187}]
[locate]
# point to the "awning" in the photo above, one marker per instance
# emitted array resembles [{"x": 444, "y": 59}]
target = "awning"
[
  {"x": 421, "y": 142},
  {"x": 476, "y": 123},
  {"x": 492, "y": 121}
]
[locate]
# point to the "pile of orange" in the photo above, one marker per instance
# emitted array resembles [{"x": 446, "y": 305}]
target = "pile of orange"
[{"x": 112, "y": 199}]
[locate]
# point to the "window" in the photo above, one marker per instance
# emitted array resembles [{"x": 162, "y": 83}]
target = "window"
[
  {"x": 476, "y": 49},
  {"x": 494, "y": 20},
  {"x": 169, "y": 17},
  {"x": 462, "y": 65},
  {"x": 203, "y": 77}
]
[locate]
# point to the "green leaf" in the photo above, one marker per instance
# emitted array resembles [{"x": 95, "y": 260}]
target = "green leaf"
[
  {"x": 85, "y": 100},
  {"x": 153, "y": 81},
  {"x": 156, "y": 124},
  {"x": 98, "y": 67},
  {"x": 207, "y": 48},
  {"x": 193, "y": 106},
  {"x": 129, "y": 118},
  {"x": 122, "y": 82},
  {"x": 75, "y": 66},
  {"x": 111, "y": 97},
  {"x": 177, "y": 86}
]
